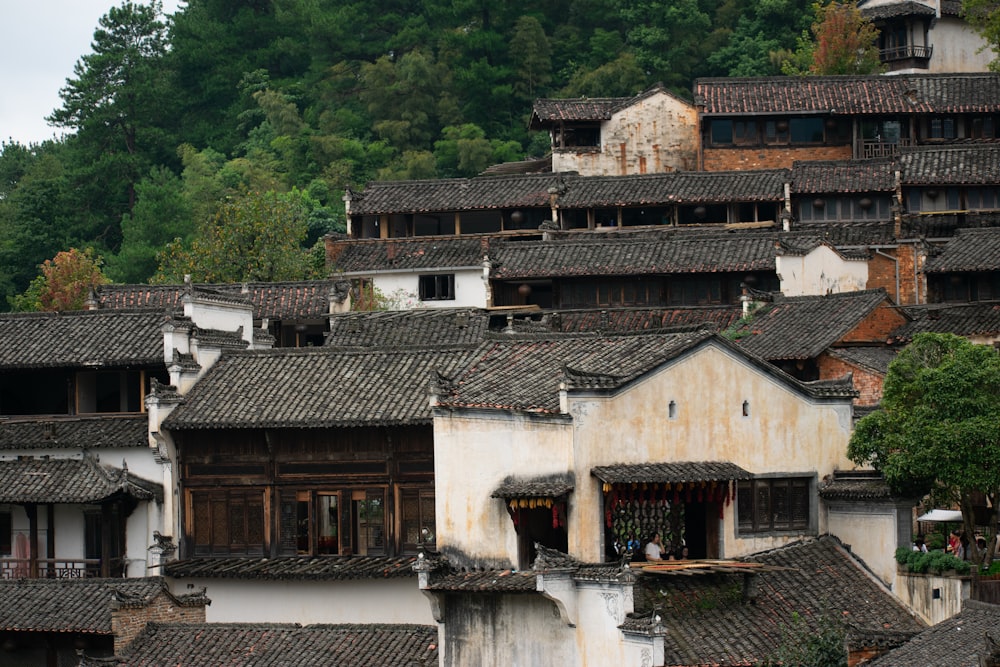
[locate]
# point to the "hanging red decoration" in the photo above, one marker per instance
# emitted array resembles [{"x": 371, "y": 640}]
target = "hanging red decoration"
[{"x": 555, "y": 516}]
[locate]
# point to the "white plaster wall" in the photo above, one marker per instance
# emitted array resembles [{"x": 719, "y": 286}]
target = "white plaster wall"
[
  {"x": 821, "y": 271},
  {"x": 222, "y": 316},
  {"x": 957, "y": 48},
  {"x": 916, "y": 591},
  {"x": 472, "y": 456},
  {"x": 69, "y": 527},
  {"x": 656, "y": 134},
  {"x": 470, "y": 289},
  {"x": 785, "y": 433},
  {"x": 602, "y": 608},
  {"x": 308, "y": 602},
  {"x": 871, "y": 534}
]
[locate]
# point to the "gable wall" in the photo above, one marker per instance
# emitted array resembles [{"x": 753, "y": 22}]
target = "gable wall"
[
  {"x": 868, "y": 383},
  {"x": 957, "y": 47},
  {"x": 899, "y": 278},
  {"x": 403, "y": 289},
  {"x": 742, "y": 159},
  {"x": 821, "y": 271},
  {"x": 128, "y": 622},
  {"x": 657, "y": 134},
  {"x": 877, "y": 326},
  {"x": 785, "y": 433}
]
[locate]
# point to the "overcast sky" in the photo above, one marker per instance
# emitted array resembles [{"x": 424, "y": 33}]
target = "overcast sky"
[{"x": 40, "y": 41}]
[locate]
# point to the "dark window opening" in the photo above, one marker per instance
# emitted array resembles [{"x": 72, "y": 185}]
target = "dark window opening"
[
  {"x": 439, "y": 287},
  {"x": 368, "y": 515},
  {"x": 945, "y": 127},
  {"x": 722, "y": 132},
  {"x": 769, "y": 505},
  {"x": 806, "y": 130},
  {"x": 227, "y": 522},
  {"x": 611, "y": 292},
  {"x": 580, "y": 136},
  {"x": 6, "y": 533},
  {"x": 544, "y": 525},
  {"x": 416, "y": 519}
]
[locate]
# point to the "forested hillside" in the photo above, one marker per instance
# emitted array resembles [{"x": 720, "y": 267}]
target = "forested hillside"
[{"x": 231, "y": 108}]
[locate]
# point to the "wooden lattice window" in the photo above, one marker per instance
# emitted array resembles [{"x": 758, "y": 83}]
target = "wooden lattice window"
[{"x": 778, "y": 504}]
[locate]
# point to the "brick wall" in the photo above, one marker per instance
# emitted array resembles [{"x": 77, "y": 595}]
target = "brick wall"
[
  {"x": 128, "y": 622},
  {"x": 877, "y": 326},
  {"x": 741, "y": 159},
  {"x": 868, "y": 384},
  {"x": 882, "y": 273}
]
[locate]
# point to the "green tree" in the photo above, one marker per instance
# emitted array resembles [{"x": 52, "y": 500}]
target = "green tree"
[
  {"x": 844, "y": 42},
  {"x": 255, "y": 237},
  {"x": 64, "y": 282},
  {"x": 805, "y": 646},
  {"x": 938, "y": 423},
  {"x": 532, "y": 57},
  {"x": 666, "y": 37},
  {"x": 116, "y": 102},
  {"x": 984, "y": 16}
]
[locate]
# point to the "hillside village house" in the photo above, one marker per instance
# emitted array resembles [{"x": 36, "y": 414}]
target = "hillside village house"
[{"x": 926, "y": 37}]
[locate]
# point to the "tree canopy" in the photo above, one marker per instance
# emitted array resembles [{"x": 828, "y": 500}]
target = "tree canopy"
[
  {"x": 64, "y": 282},
  {"x": 938, "y": 423}
]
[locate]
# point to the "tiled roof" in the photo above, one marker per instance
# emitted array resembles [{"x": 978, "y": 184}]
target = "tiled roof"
[
  {"x": 428, "y": 327},
  {"x": 547, "y": 110},
  {"x": 313, "y": 388},
  {"x": 673, "y": 472},
  {"x": 75, "y": 605},
  {"x": 487, "y": 581},
  {"x": 802, "y": 327},
  {"x": 855, "y": 485},
  {"x": 850, "y": 95},
  {"x": 621, "y": 320},
  {"x": 325, "y": 568},
  {"x": 524, "y": 373},
  {"x": 622, "y": 254},
  {"x": 959, "y": 641},
  {"x": 69, "y": 481},
  {"x": 279, "y": 300},
  {"x": 684, "y": 187},
  {"x": 970, "y": 250},
  {"x": 887, "y": 10},
  {"x": 87, "y": 339},
  {"x": 106, "y": 431},
  {"x": 422, "y": 252},
  {"x": 872, "y": 358},
  {"x": 966, "y": 164},
  {"x": 707, "y": 624},
  {"x": 851, "y": 233},
  {"x": 966, "y": 319},
  {"x": 274, "y": 645},
  {"x": 548, "y": 486},
  {"x": 843, "y": 176},
  {"x": 454, "y": 194}
]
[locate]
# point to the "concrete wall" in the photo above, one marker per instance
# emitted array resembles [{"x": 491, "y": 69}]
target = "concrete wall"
[
  {"x": 785, "y": 433},
  {"x": 872, "y": 531},
  {"x": 659, "y": 133},
  {"x": 932, "y": 597},
  {"x": 307, "y": 602},
  {"x": 821, "y": 271},
  {"x": 470, "y": 289}
]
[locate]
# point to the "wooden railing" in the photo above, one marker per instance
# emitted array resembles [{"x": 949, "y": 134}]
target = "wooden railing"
[
  {"x": 50, "y": 568},
  {"x": 872, "y": 149},
  {"x": 905, "y": 52}
]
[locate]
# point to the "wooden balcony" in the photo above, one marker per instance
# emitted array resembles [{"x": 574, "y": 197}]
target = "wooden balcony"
[
  {"x": 869, "y": 148},
  {"x": 55, "y": 568}
]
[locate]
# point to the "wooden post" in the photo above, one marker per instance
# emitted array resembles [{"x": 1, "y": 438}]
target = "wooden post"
[{"x": 32, "y": 511}]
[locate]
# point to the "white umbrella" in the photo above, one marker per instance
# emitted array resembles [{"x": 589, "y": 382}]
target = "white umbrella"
[{"x": 942, "y": 516}]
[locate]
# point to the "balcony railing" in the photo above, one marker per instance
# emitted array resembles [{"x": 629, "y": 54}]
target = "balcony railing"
[
  {"x": 905, "y": 52},
  {"x": 51, "y": 568},
  {"x": 874, "y": 148}
]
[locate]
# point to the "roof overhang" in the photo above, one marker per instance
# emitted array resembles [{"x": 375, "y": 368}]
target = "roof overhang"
[{"x": 679, "y": 472}]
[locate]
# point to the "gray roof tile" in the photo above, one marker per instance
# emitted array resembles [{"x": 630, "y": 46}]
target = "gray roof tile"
[
  {"x": 320, "y": 568},
  {"x": 959, "y": 641},
  {"x": 69, "y": 481},
  {"x": 855, "y": 485},
  {"x": 966, "y": 319},
  {"x": 81, "y": 339},
  {"x": 683, "y": 187},
  {"x": 966, "y": 164},
  {"x": 874, "y": 358},
  {"x": 548, "y": 486},
  {"x": 424, "y": 252},
  {"x": 624, "y": 254},
  {"x": 971, "y": 250},
  {"x": 106, "y": 431},
  {"x": 74, "y": 605},
  {"x": 455, "y": 194},
  {"x": 429, "y": 327},
  {"x": 850, "y": 95},
  {"x": 313, "y": 388},
  {"x": 843, "y": 176},
  {"x": 803, "y": 327},
  {"x": 274, "y": 645},
  {"x": 672, "y": 472}
]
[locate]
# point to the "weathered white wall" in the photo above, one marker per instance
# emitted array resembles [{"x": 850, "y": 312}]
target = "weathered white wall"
[
  {"x": 872, "y": 532},
  {"x": 307, "y": 602},
  {"x": 471, "y": 457},
  {"x": 659, "y": 133},
  {"x": 786, "y": 432},
  {"x": 917, "y": 591},
  {"x": 957, "y": 48},
  {"x": 404, "y": 289},
  {"x": 821, "y": 271}
]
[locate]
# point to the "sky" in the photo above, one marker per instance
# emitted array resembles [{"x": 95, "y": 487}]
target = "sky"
[{"x": 40, "y": 42}]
